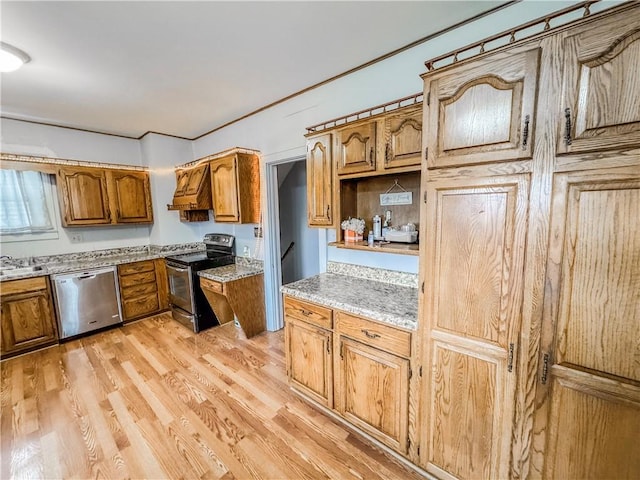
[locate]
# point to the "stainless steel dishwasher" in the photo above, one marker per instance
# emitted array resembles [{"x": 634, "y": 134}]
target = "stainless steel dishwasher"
[{"x": 86, "y": 300}]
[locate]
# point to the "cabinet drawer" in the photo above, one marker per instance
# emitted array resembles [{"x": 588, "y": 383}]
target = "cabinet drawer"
[
  {"x": 24, "y": 285},
  {"x": 212, "y": 285},
  {"x": 139, "y": 290},
  {"x": 136, "y": 267},
  {"x": 380, "y": 336},
  {"x": 308, "y": 312},
  {"x": 141, "y": 306},
  {"x": 137, "y": 279}
]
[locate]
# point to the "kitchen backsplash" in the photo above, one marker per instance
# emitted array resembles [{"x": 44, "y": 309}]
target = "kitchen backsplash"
[{"x": 377, "y": 274}]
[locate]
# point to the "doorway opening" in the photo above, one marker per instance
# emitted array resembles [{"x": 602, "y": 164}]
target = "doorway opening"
[{"x": 291, "y": 247}]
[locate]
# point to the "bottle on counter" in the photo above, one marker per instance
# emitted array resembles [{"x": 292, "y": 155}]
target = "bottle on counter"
[
  {"x": 377, "y": 227},
  {"x": 370, "y": 238}
]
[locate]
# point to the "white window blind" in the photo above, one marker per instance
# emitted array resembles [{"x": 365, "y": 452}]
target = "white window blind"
[{"x": 25, "y": 203}]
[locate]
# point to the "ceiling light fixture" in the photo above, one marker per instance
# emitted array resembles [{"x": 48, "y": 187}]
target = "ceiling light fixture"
[{"x": 11, "y": 58}]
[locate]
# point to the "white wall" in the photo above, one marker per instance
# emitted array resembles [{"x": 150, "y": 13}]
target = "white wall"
[{"x": 279, "y": 131}]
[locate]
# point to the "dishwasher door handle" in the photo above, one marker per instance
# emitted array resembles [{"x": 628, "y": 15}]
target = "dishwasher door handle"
[{"x": 83, "y": 277}]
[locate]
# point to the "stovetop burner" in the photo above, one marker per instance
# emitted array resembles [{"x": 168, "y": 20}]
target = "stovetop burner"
[{"x": 219, "y": 252}]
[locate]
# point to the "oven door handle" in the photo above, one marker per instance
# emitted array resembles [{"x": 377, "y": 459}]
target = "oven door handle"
[
  {"x": 177, "y": 269},
  {"x": 175, "y": 311}
]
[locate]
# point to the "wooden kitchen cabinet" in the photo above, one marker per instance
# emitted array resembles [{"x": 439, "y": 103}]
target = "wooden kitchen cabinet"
[
  {"x": 310, "y": 360},
  {"x": 372, "y": 373},
  {"x": 591, "y": 327},
  {"x": 309, "y": 349},
  {"x": 28, "y": 320},
  {"x": 141, "y": 289},
  {"x": 192, "y": 196},
  {"x": 356, "y": 148},
  {"x": 600, "y": 87},
  {"x": 320, "y": 181},
  {"x": 483, "y": 111},
  {"x": 92, "y": 196},
  {"x": 235, "y": 186},
  {"x": 475, "y": 235},
  {"x": 403, "y": 138},
  {"x": 83, "y": 196},
  {"x": 130, "y": 196},
  {"x": 366, "y": 379}
]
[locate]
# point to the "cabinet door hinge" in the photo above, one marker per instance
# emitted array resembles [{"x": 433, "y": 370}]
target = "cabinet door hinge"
[
  {"x": 410, "y": 373},
  {"x": 424, "y": 197},
  {"x": 428, "y": 98},
  {"x": 426, "y": 153},
  {"x": 510, "y": 357}
]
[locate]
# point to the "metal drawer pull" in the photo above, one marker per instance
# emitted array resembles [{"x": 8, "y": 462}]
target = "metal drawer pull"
[{"x": 369, "y": 334}]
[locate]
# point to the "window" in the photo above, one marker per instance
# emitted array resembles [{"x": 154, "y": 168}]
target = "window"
[{"x": 26, "y": 206}]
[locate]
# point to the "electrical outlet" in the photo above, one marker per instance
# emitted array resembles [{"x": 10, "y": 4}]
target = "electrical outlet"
[
  {"x": 75, "y": 237},
  {"x": 246, "y": 251}
]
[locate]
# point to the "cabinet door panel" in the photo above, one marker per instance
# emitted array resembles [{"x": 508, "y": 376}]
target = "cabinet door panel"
[
  {"x": 310, "y": 370},
  {"x": 84, "y": 197},
  {"x": 478, "y": 256},
  {"x": 224, "y": 185},
  {"x": 592, "y": 353},
  {"x": 601, "y": 86},
  {"x": 373, "y": 391},
  {"x": 319, "y": 181},
  {"x": 484, "y": 112},
  {"x": 404, "y": 140},
  {"x": 475, "y": 230},
  {"x": 131, "y": 195},
  {"x": 463, "y": 413},
  {"x": 357, "y": 149},
  {"x": 593, "y": 434},
  {"x": 27, "y": 321}
]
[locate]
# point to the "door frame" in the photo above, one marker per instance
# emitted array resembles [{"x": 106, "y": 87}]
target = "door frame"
[{"x": 272, "y": 251}]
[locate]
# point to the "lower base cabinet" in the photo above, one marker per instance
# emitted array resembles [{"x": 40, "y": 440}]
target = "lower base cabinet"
[
  {"x": 27, "y": 316},
  {"x": 142, "y": 288},
  {"x": 357, "y": 367}
]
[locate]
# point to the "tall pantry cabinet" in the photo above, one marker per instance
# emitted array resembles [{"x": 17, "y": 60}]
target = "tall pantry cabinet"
[{"x": 530, "y": 258}]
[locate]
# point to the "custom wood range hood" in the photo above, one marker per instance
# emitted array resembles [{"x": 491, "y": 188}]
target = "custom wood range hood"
[{"x": 193, "y": 193}]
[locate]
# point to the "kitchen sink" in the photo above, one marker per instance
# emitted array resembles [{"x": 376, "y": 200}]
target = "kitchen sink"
[{"x": 11, "y": 270}]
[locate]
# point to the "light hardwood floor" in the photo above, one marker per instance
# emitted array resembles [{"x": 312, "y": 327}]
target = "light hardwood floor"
[{"x": 154, "y": 400}]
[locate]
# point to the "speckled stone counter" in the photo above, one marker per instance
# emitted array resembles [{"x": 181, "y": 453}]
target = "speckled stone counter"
[
  {"x": 53, "y": 264},
  {"x": 385, "y": 302},
  {"x": 232, "y": 272}
]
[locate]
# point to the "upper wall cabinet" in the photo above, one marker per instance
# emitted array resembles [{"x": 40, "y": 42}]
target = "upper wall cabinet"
[
  {"x": 356, "y": 148},
  {"x": 83, "y": 196},
  {"x": 130, "y": 195},
  {"x": 98, "y": 196},
  {"x": 601, "y": 87},
  {"x": 403, "y": 139},
  {"x": 319, "y": 181},
  {"x": 484, "y": 111},
  {"x": 235, "y": 186}
]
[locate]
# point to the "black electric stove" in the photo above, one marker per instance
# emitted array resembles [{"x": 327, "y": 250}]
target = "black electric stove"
[{"x": 189, "y": 306}]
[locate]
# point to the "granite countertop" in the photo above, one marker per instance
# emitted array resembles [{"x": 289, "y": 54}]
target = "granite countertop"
[
  {"x": 385, "y": 302},
  {"x": 232, "y": 272},
  {"x": 86, "y": 260}
]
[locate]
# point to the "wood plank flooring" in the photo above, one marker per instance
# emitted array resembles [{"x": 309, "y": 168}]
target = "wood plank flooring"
[{"x": 154, "y": 400}]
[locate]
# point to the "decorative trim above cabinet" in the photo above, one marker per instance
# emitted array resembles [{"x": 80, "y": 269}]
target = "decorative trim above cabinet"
[{"x": 51, "y": 164}]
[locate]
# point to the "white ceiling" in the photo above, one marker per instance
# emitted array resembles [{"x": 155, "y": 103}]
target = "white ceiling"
[{"x": 184, "y": 68}]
